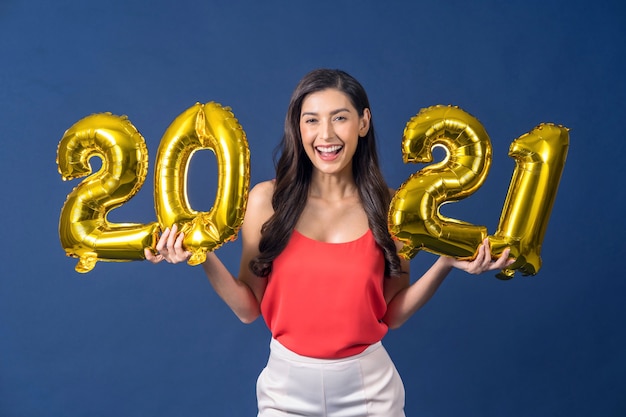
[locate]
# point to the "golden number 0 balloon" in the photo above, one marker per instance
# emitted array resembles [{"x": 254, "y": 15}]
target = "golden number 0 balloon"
[
  {"x": 208, "y": 126},
  {"x": 540, "y": 157},
  {"x": 414, "y": 216},
  {"x": 83, "y": 227}
]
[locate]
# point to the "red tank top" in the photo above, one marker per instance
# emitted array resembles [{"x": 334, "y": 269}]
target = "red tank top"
[{"x": 325, "y": 300}]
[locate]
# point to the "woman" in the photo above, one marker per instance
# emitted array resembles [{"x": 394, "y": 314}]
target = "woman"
[{"x": 319, "y": 264}]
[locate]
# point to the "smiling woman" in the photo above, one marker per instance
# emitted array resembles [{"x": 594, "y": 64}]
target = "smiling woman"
[
  {"x": 318, "y": 262},
  {"x": 330, "y": 127},
  {"x": 135, "y": 339}
]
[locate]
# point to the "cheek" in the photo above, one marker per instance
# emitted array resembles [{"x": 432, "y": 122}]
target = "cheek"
[
  {"x": 350, "y": 133},
  {"x": 305, "y": 134},
  {"x": 307, "y": 137}
]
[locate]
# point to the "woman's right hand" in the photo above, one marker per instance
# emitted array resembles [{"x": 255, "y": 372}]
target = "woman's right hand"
[{"x": 169, "y": 248}]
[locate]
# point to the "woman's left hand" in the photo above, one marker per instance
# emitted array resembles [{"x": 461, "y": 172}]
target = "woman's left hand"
[{"x": 484, "y": 261}]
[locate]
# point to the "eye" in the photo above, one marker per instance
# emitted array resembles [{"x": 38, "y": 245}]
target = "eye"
[{"x": 309, "y": 120}]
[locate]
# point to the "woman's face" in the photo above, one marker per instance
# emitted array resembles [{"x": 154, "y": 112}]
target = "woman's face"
[{"x": 330, "y": 127}]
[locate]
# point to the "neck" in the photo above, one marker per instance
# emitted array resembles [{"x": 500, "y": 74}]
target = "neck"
[{"x": 332, "y": 186}]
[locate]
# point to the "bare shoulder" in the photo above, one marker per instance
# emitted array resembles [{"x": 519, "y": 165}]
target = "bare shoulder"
[
  {"x": 260, "y": 196},
  {"x": 259, "y": 207},
  {"x": 263, "y": 189}
]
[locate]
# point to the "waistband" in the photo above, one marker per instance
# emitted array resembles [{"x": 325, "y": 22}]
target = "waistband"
[{"x": 282, "y": 352}]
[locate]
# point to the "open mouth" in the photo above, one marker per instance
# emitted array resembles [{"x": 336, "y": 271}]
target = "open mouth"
[{"x": 328, "y": 151}]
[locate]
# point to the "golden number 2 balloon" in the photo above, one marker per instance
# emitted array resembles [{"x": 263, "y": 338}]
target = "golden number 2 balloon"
[
  {"x": 540, "y": 157},
  {"x": 83, "y": 227},
  {"x": 208, "y": 126},
  {"x": 414, "y": 216}
]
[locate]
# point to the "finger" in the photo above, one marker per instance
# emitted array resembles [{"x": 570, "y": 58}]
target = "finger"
[
  {"x": 180, "y": 252},
  {"x": 171, "y": 239},
  {"x": 178, "y": 243},
  {"x": 163, "y": 240},
  {"x": 151, "y": 257},
  {"x": 483, "y": 256},
  {"x": 503, "y": 261},
  {"x": 490, "y": 256}
]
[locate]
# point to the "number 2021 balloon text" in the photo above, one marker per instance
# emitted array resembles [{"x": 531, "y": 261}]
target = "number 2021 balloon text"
[{"x": 413, "y": 215}]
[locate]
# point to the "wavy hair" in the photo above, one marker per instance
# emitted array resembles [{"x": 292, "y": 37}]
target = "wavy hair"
[{"x": 294, "y": 171}]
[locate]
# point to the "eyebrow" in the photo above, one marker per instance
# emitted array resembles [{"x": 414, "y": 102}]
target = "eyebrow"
[{"x": 332, "y": 113}]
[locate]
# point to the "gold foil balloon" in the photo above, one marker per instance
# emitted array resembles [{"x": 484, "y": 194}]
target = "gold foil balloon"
[
  {"x": 414, "y": 216},
  {"x": 83, "y": 227},
  {"x": 540, "y": 157},
  {"x": 208, "y": 126}
]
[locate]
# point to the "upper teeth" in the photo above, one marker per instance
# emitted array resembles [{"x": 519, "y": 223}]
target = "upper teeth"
[{"x": 328, "y": 148}]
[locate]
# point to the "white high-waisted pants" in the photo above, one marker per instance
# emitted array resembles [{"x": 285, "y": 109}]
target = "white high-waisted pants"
[{"x": 363, "y": 385}]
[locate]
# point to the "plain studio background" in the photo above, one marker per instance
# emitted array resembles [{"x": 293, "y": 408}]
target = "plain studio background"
[{"x": 134, "y": 339}]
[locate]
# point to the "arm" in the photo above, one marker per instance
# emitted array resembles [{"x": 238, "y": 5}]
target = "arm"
[
  {"x": 404, "y": 299},
  {"x": 244, "y": 293}
]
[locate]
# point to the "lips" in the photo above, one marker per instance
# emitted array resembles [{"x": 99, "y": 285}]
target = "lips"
[{"x": 328, "y": 152}]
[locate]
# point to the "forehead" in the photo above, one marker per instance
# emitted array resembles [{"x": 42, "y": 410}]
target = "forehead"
[{"x": 327, "y": 100}]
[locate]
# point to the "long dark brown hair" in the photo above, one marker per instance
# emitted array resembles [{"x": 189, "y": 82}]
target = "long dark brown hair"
[{"x": 294, "y": 171}]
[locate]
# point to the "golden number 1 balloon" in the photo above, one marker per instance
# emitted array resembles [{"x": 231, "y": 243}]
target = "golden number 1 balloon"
[
  {"x": 83, "y": 227},
  {"x": 414, "y": 216},
  {"x": 208, "y": 126},
  {"x": 540, "y": 157}
]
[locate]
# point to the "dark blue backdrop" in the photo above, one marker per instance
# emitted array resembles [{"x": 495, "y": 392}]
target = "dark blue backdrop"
[{"x": 136, "y": 339}]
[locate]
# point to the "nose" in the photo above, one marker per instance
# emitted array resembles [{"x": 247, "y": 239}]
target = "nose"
[{"x": 327, "y": 130}]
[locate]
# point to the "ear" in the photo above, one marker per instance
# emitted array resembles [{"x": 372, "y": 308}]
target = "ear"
[{"x": 364, "y": 122}]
